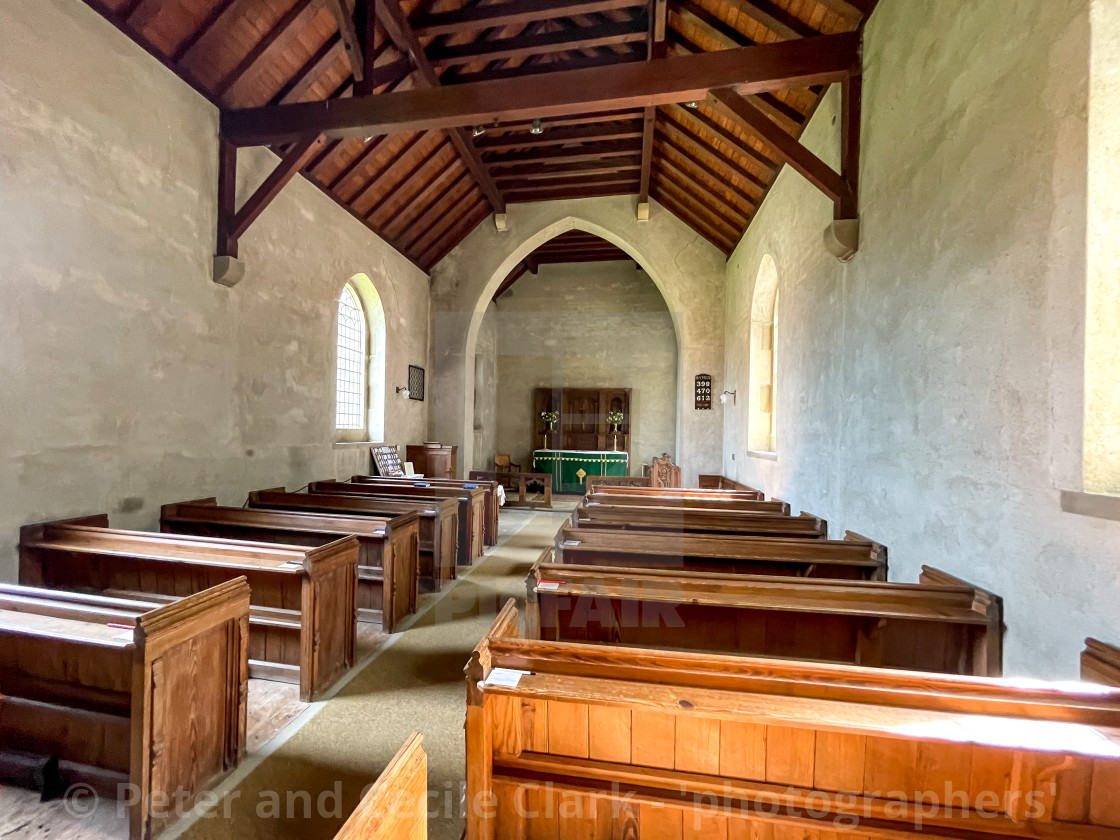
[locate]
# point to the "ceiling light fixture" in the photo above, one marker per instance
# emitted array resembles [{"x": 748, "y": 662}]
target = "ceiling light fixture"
[
  {"x": 537, "y": 128},
  {"x": 692, "y": 104},
  {"x": 479, "y": 130}
]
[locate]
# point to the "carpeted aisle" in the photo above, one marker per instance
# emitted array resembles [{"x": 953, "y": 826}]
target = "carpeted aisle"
[{"x": 416, "y": 683}]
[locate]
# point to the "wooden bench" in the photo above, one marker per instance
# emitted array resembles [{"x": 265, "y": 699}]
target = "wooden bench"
[
  {"x": 628, "y": 742},
  {"x": 598, "y": 482},
  {"x": 488, "y": 485},
  {"x": 853, "y": 558},
  {"x": 110, "y": 693},
  {"x": 680, "y": 520},
  {"x": 522, "y": 480},
  {"x": 396, "y": 806},
  {"x": 679, "y": 492},
  {"x": 471, "y": 507},
  {"x": 439, "y": 522},
  {"x": 610, "y": 498},
  {"x": 303, "y": 621},
  {"x": 720, "y": 482},
  {"x": 388, "y": 548},
  {"x": 940, "y": 624},
  {"x": 1100, "y": 663}
]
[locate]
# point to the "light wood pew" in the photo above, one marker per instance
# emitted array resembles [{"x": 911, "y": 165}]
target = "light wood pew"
[
  {"x": 1100, "y": 663},
  {"x": 610, "y": 498},
  {"x": 439, "y": 521},
  {"x": 303, "y": 621},
  {"x": 720, "y": 482},
  {"x": 678, "y": 492},
  {"x": 680, "y": 520},
  {"x": 632, "y": 742},
  {"x": 471, "y": 507},
  {"x": 474, "y": 482},
  {"x": 139, "y": 701},
  {"x": 598, "y": 482},
  {"x": 940, "y": 624},
  {"x": 853, "y": 558},
  {"x": 396, "y": 807},
  {"x": 388, "y": 548}
]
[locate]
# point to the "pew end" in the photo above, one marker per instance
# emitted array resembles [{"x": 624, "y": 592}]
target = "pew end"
[
  {"x": 396, "y": 807},
  {"x": 1100, "y": 663}
]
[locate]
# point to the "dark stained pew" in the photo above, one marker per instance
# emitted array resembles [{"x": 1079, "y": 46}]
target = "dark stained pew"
[
  {"x": 633, "y": 742},
  {"x": 439, "y": 521},
  {"x": 677, "y": 493},
  {"x": 720, "y": 482},
  {"x": 488, "y": 484},
  {"x": 681, "y": 520},
  {"x": 471, "y": 507},
  {"x": 303, "y": 621},
  {"x": 388, "y": 548},
  {"x": 114, "y": 693},
  {"x": 941, "y": 624},
  {"x": 1100, "y": 663},
  {"x": 853, "y": 558}
]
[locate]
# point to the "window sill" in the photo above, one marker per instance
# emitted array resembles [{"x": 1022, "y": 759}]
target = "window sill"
[
  {"x": 762, "y": 456},
  {"x": 1091, "y": 504},
  {"x": 345, "y": 444}
]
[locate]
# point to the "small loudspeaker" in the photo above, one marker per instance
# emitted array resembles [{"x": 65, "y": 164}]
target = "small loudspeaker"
[
  {"x": 228, "y": 271},
  {"x": 841, "y": 238}
]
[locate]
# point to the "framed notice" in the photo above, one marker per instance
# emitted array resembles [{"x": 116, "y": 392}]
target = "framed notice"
[
  {"x": 703, "y": 392},
  {"x": 416, "y": 383}
]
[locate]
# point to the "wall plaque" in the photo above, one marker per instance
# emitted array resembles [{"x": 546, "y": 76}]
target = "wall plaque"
[{"x": 703, "y": 392}]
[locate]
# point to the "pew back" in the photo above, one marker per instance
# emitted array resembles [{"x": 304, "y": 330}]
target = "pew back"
[
  {"x": 672, "y": 519},
  {"x": 396, "y": 807},
  {"x": 607, "y": 497},
  {"x": 1100, "y": 663},
  {"x": 682, "y": 744},
  {"x": 475, "y": 482}
]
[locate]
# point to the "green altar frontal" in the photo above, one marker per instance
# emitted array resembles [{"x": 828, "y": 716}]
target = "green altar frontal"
[{"x": 569, "y": 469}]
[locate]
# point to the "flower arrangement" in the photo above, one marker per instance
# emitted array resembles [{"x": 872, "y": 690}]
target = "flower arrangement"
[
  {"x": 550, "y": 417},
  {"x": 615, "y": 418}
]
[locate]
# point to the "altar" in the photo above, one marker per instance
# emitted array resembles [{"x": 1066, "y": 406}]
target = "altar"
[{"x": 570, "y": 468}]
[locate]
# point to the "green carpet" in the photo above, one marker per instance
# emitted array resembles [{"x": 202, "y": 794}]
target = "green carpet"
[{"x": 307, "y": 787}]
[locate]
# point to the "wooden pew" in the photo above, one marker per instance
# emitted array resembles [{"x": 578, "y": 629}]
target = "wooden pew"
[
  {"x": 471, "y": 507},
  {"x": 680, "y": 520},
  {"x": 677, "y": 492},
  {"x": 439, "y": 521},
  {"x": 139, "y": 701},
  {"x": 523, "y": 480},
  {"x": 1100, "y": 663},
  {"x": 853, "y": 558},
  {"x": 632, "y": 742},
  {"x": 476, "y": 481},
  {"x": 611, "y": 498},
  {"x": 720, "y": 482},
  {"x": 940, "y": 624},
  {"x": 388, "y": 548},
  {"x": 303, "y": 622},
  {"x": 396, "y": 807},
  {"x": 599, "y": 482}
]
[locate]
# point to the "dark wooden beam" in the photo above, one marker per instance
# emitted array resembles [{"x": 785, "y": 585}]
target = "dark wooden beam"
[
  {"x": 142, "y": 12},
  {"x": 559, "y": 184},
  {"x": 392, "y": 17},
  {"x": 774, "y": 18},
  {"x": 365, "y": 26},
  {"x": 352, "y": 41},
  {"x": 579, "y": 120},
  {"x": 287, "y": 169},
  {"x": 301, "y": 82},
  {"x": 790, "y": 151},
  {"x": 584, "y": 152},
  {"x": 647, "y": 152},
  {"x": 591, "y": 191},
  {"x": 560, "y": 137},
  {"x": 475, "y": 18},
  {"x": 851, "y": 117},
  {"x": 658, "y": 17},
  {"x": 665, "y": 81},
  {"x": 559, "y": 170},
  {"x": 227, "y": 199},
  {"x": 629, "y": 54},
  {"x": 574, "y": 38},
  {"x": 223, "y": 12}
]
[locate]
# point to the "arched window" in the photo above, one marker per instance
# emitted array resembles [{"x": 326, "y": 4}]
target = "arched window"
[
  {"x": 761, "y": 435},
  {"x": 350, "y": 393}
]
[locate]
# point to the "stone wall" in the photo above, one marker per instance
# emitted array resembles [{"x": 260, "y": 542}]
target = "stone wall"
[
  {"x": 129, "y": 378},
  {"x": 929, "y": 392},
  {"x": 586, "y": 325},
  {"x": 686, "y": 269}
]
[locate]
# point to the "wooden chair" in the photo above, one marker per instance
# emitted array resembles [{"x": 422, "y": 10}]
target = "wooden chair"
[{"x": 664, "y": 473}]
